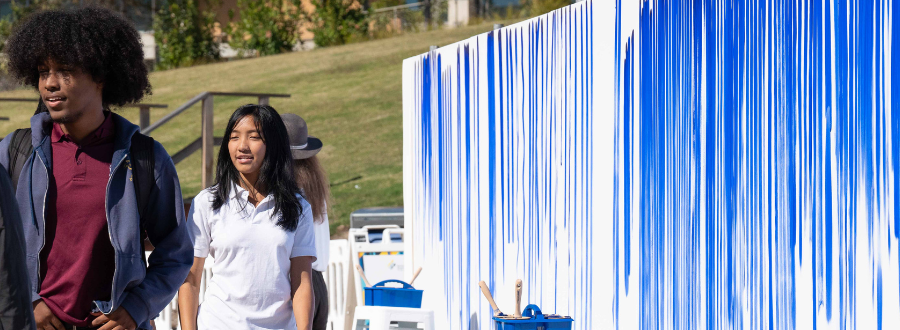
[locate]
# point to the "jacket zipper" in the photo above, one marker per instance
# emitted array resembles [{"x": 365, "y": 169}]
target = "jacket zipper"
[
  {"x": 43, "y": 221},
  {"x": 109, "y": 229}
]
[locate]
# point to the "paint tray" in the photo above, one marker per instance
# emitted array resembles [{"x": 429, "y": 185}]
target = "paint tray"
[
  {"x": 379, "y": 295},
  {"x": 533, "y": 319}
]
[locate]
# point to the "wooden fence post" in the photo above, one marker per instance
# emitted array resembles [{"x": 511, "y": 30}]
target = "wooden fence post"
[
  {"x": 207, "y": 171},
  {"x": 264, "y": 100},
  {"x": 145, "y": 116}
]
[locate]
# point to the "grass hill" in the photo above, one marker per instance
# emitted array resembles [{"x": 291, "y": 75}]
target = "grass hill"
[{"x": 349, "y": 95}]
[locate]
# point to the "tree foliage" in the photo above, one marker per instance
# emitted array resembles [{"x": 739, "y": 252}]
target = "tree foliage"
[
  {"x": 336, "y": 22},
  {"x": 265, "y": 26},
  {"x": 20, "y": 10},
  {"x": 5, "y": 31},
  {"x": 184, "y": 35}
]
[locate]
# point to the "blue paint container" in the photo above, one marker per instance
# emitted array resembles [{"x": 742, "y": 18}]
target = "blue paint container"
[
  {"x": 536, "y": 321},
  {"x": 379, "y": 295}
]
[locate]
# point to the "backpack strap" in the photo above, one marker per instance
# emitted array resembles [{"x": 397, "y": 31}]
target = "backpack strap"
[
  {"x": 142, "y": 174},
  {"x": 20, "y": 149}
]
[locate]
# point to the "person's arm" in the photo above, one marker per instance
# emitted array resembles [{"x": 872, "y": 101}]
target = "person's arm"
[
  {"x": 198, "y": 231},
  {"x": 301, "y": 291},
  {"x": 189, "y": 296},
  {"x": 171, "y": 260},
  {"x": 303, "y": 253},
  {"x": 16, "y": 309},
  {"x": 4, "y": 152}
]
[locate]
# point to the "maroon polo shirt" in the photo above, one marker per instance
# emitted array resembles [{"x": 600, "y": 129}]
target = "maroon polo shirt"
[{"x": 77, "y": 261}]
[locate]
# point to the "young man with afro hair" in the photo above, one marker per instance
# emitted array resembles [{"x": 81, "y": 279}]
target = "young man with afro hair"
[{"x": 76, "y": 190}]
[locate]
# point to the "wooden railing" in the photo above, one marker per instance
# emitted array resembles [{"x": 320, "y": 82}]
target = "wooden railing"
[
  {"x": 15, "y": 99},
  {"x": 144, "y": 108},
  {"x": 206, "y": 142},
  {"x": 145, "y": 112}
]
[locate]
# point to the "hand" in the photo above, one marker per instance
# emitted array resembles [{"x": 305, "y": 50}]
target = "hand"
[
  {"x": 44, "y": 318},
  {"x": 119, "y": 319}
]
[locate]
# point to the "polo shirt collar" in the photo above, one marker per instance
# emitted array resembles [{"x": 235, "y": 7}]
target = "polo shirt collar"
[
  {"x": 106, "y": 130},
  {"x": 238, "y": 192}
]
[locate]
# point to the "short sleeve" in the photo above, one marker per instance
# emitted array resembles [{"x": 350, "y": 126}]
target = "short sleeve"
[
  {"x": 198, "y": 224},
  {"x": 304, "y": 236},
  {"x": 323, "y": 240}
]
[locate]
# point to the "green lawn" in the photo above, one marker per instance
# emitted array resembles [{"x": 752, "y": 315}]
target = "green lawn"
[{"x": 350, "y": 96}]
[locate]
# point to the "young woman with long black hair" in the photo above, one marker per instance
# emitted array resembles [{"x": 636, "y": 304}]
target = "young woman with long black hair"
[
  {"x": 256, "y": 225},
  {"x": 313, "y": 182}
]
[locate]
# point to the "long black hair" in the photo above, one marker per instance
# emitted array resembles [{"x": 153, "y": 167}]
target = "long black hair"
[{"x": 276, "y": 175}]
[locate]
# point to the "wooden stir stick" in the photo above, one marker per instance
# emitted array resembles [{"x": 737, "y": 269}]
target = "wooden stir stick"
[
  {"x": 518, "y": 312},
  {"x": 363, "y": 275},
  {"x": 415, "y": 275},
  {"x": 490, "y": 298}
]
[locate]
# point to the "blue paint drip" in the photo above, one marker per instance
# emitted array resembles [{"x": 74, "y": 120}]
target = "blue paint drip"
[
  {"x": 895, "y": 124},
  {"x": 626, "y": 158},
  {"x": 492, "y": 157}
]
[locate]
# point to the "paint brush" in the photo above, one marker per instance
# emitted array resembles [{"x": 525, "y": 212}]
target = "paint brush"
[
  {"x": 363, "y": 275},
  {"x": 518, "y": 312},
  {"x": 415, "y": 275},
  {"x": 490, "y": 298}
]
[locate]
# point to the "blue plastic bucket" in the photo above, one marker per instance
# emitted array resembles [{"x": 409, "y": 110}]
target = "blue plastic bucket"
[
  {"x": 536, "y": 321},
  {"x": 379, "y": 295}
]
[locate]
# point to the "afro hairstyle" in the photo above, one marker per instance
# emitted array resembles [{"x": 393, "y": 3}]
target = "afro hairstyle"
[{"x": 96, "y": 40}]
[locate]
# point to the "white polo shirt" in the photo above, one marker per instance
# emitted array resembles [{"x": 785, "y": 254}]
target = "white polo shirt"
[{"x": 250, "y": 287}]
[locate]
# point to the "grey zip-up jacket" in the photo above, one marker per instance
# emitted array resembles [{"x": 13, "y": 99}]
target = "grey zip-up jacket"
[{"x": 142, "y": 291}]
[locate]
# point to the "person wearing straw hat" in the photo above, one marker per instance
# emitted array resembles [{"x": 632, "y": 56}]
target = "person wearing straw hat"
[{"x": 313, "y": 183}]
